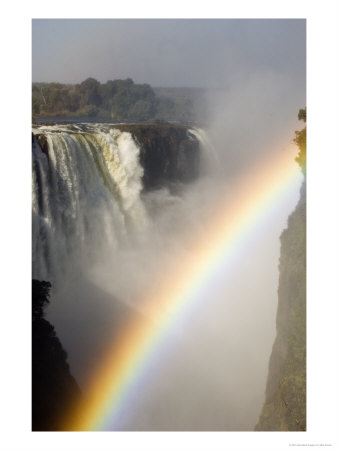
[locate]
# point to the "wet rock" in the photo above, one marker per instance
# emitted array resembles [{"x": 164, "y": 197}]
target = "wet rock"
[{"x": 167, "y": 153}]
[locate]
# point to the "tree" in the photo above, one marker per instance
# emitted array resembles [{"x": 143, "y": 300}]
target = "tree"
[
  {"x": 302, "y": 115},
  {"x": 117, "y": 99},
  {"x": 90, "y": 90},
  {"x": 40, "y": 297},
  {"x": 300, "y": 141}
]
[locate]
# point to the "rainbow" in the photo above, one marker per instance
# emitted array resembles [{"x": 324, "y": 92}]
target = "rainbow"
[{"x": 257, "y": 195}]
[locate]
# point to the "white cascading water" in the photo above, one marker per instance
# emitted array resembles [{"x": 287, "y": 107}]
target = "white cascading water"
[
  {"x": 209, "y": 157},
  {"x": 86, "y": 197}
]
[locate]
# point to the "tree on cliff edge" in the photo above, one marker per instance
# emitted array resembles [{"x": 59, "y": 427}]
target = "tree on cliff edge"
[{"x": 300, "y": 141}]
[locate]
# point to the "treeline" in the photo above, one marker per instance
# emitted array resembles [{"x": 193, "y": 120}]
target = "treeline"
[{"x": 118, "y": 100}]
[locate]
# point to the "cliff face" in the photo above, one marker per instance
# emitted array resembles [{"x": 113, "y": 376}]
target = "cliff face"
[
  {"x": 53, "y": 387},
  {"x": 285, "y": 403},
  {"x": 167, "y": 153}
]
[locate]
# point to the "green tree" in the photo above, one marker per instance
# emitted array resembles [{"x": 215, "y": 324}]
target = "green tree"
[
  {"x": 302, "y": 114},
  {"x": 107, "y": 92},
  {"x": 300, "y": 141},
  {"x": 90, "y": 92},
  {"x": 40, "y": 297},
  {"x": 74, "y": 100}
]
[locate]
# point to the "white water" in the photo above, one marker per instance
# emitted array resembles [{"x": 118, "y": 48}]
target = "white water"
[
  {"x": 88, "y": 201},
  {"x": 102, "y": 242}
]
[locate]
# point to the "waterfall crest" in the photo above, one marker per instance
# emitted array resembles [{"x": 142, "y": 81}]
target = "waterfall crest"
[{"x": 86, "y": 195}]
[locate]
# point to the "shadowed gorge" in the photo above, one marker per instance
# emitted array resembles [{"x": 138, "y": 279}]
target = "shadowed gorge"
[
  {"x": 147, "y": 246},
  {"x": 54, "y": 389}
]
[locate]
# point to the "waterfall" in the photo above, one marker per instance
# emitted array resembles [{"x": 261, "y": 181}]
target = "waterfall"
[
  {"x": 86, "y": 196},
  {"x": 98, "y": 236},
  {"x": 210, "y": 158}
]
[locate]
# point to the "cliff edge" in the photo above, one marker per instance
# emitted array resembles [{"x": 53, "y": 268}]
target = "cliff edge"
[
  {"x": 285, "y": 396},
  {"x": 285, "y": 402}
]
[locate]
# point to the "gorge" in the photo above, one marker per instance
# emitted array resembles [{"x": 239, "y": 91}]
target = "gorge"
[{"x": 117, "y": 209}]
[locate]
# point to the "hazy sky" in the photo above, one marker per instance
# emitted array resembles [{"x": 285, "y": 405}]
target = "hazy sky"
[{"x": 168, "y": 52}]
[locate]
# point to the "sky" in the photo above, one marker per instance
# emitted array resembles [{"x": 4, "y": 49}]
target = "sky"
[
  {"x": 167, "y": 52},
  {"x": 253, "y": 70}
]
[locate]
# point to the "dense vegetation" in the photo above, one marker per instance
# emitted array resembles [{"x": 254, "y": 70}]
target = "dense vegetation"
[
  {"x": 285, "y": 401},
  {"x": 118, "y": 100}
]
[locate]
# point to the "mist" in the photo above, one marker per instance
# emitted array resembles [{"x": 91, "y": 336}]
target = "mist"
[{"x": 211, "y": 370}]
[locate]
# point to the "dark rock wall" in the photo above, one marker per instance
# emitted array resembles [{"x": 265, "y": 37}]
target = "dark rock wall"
[
  {"x": 285, "y": 403},
  {"x": 53, "y": 387},
  {"x": 167, "y": 153}
]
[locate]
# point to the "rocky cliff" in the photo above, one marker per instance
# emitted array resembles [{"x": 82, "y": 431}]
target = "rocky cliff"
[
  {"x": 53, "y": 387},
  {"x": 285, "y": 402},
  {"x": 167, "y": 153}
]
